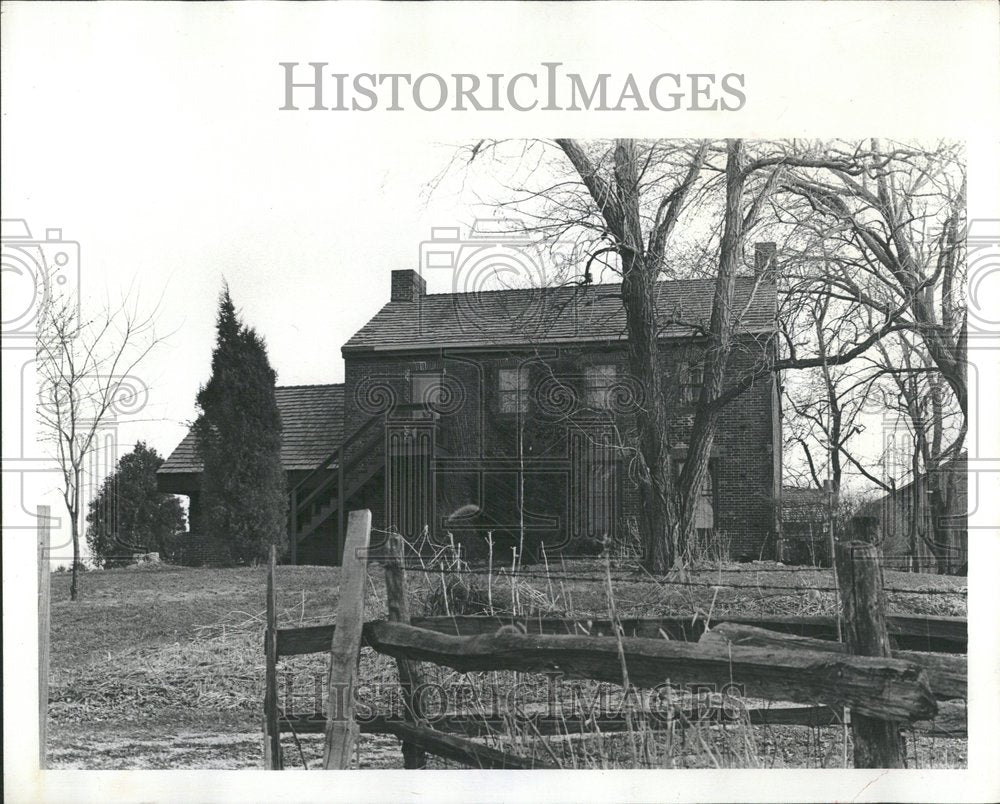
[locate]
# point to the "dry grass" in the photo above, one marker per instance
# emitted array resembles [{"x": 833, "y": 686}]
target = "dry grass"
[{"x": 169, "y": 662}]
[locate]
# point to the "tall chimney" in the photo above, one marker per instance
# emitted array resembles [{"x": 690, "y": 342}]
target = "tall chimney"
[
  {"x": 407, "y": 286},
  {"x": 765, "y": 260}
]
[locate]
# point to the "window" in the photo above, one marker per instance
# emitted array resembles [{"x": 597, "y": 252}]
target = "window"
[
  {"x": 691, "y": 376},
  {"x": 594, "y": 504},
  {"x": 513, "y": 390},
  {"x": 704, "y": 516},
  {"x": 425, "y": 388},
  {"x": 600, "y": 381}
]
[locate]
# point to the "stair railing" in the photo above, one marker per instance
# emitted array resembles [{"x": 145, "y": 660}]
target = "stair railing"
[{"x": 297, "y": 505}]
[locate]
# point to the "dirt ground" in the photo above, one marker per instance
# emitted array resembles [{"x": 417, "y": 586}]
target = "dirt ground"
[{"x": 162, "y": 667}]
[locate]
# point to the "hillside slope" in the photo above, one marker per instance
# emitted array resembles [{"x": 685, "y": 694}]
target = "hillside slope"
[{"x": 162, "y": 667}]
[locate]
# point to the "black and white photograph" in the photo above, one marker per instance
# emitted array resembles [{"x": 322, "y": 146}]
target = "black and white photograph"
[{"x": 428, "y": 415}]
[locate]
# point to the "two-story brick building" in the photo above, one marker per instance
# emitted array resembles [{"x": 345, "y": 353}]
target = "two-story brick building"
[{"x": 506, "y": 415}]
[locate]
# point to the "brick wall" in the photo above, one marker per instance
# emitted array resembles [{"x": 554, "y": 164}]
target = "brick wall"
[
  {"x": 476, "y": 435},
  {"x": 407, "y": 285}
]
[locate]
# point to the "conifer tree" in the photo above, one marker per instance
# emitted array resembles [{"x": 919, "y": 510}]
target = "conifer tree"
[
  {"x": 128, "y": 515},
  {"x": 238, "y": 438}
]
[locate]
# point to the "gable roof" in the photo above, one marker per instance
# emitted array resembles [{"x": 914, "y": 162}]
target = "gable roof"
[
  {"x": 312, "y": 420},
  {"x": 562, "y": 314}
]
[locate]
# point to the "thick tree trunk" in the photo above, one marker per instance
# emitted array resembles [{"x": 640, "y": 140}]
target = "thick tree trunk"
[
  {"x": 940, "y": 488},
  {"x": 656, "y": 489},
  {"x": 659, "y": 529},
  {"x": 719, "y": 346},
  {"x": 641, "y": 262},
  {"x": 638, "y": 298}
]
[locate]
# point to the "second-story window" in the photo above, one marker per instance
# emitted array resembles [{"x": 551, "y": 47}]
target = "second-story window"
[
  {"x": 600, "y": 381},
  {"x": 425, "y": 388},
  {"x": 692, "y": 376},
  {"x": 512, "y": 387}
]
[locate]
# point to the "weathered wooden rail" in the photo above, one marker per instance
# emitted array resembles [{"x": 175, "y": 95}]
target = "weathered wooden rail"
[
  {"x": 888, "y": 688},
  {"x": 947, "y": 674},
  {"x": 925, "y": 634},
  {"x": 778, "y": 658}
]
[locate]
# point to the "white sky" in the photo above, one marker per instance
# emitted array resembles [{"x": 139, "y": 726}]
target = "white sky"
[
  {"x": 176, "y": 170},
  {"x": 150, "y": 134}
]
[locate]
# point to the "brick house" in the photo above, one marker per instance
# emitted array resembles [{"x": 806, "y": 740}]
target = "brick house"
[{"x": 506, "y": 413}]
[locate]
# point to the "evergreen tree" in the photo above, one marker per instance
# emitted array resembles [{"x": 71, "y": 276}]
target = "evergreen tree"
[
  {"x": 238, "y": 438},
  {"x": 128, "y": 515}
]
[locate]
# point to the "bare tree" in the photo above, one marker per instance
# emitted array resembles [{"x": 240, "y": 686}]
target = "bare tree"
[
  {"x": 824, "y": 405},
  {"x": 877, "y": 231},
  {"x": 85, "y": 376},
  {"x": 872, "y": 232},
  {"x": 623, "y": 201},
  {"x": 918, "y": 398},
  {"x": 886, "y": 234}
]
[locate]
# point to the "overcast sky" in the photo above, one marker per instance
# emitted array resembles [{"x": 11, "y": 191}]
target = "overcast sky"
[
  {"x": 150, "y": 134},
  {"x": 172, "y": 172}
]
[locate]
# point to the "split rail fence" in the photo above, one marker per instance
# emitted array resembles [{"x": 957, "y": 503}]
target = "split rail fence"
[{"x": 877, "y": 673}]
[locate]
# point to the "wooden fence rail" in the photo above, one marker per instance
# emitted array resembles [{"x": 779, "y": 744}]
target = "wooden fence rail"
[
  {"x": 460, "y": 749},
  {"x": 889, "y": 688},
  {"x": 948, "y": 675},
  {"x": 878, "y": 674},
  {"x": 937, "y": 634}
]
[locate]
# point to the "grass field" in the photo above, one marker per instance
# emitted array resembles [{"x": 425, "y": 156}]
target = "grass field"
[{"x": 162, "y": 667}]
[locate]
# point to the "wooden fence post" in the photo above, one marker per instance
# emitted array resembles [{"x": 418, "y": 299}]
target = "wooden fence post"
[
  {"x": 341, "y": 727},
  {"x": 877, "y": 743},
  {"x": 272, "y": 732},
  {"x": 44, "y": 526},
  {"x": 409, "y": 671}
]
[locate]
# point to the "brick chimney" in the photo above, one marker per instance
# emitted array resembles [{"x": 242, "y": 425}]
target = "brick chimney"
[
  {"x": 407, "y": 286},
  {"x": 765, "y": 260}
]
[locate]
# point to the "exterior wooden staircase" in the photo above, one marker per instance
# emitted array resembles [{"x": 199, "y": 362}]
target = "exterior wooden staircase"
[
  {"x": 315, "y": 501},
  {"x": 320, "y": 500}
]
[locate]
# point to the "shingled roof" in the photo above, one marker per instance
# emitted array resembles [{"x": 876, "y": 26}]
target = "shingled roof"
[
  {"x": 312, "y": 418},
  {"x": 554, "y": 315}
]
